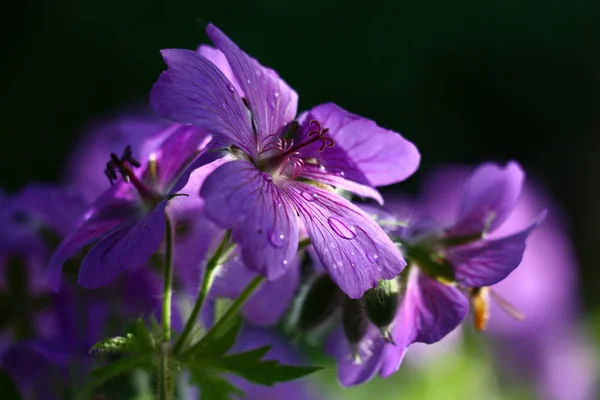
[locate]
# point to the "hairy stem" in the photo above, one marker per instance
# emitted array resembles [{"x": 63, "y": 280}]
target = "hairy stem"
[
  {"x": 209, "y": 275},
  {"x": 166, "y": 311}
]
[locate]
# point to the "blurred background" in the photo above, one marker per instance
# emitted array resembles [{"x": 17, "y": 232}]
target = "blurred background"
[{"x": 465, "y": 81}]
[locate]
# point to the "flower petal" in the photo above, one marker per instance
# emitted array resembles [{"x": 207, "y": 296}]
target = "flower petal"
[
  {"x": 363, "y": 152},
  {"x": 194, "y": 91},
  {"x": 268, "y": 304},
  {"x": 487, "y": 262},
  {"x": 370, "y": 350},
  {"x": 323, "y": 176},
  {"x": 429, "y": 311},
  {"x": 116, "y": 205},
  {"x": 355, "y": 251},
  {"x": 217, "y": 57},
  {"x": 240, "y": 197},
  {"x": 273, "y": 104},
  {"x": 128, "y": 246},
  {"x": 490, "y": 196}
]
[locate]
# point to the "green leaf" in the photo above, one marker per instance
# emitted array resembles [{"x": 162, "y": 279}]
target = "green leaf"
[
  {"x": 220, "y": 344},
  {"x": 213, "y": 386},
  {"x": 249, "y": 366},
  {"x": 9, "y": 387},
  {"x": 98, "y": 376},
  {"x": 117, "y": 344},
  {"x": 144, "y": 342}
]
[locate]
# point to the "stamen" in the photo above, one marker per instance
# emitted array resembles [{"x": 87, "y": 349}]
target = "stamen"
[
  {"x": 481, "y": 307},
  {"x": 124, "y": 165}
]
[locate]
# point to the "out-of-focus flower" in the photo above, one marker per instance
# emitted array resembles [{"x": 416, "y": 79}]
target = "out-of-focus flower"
[
  {"x": 448, "y": 260},
  {"x": 127, "y": 222},
  {"x": 280, "y": 171},
  {"x": 138, "y": 129}
]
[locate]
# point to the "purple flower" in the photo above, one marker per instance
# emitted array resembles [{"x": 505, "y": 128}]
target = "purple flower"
[
  {"x": 127, "y": 222},
  {"x": 447, "y": 261},
  {"x": 281, "y": 172}
]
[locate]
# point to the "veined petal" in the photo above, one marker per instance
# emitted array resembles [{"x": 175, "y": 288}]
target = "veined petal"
[
  {"x": 370, "y": 350},
  {"x": 355, "y": 251},
  {"x": 322, "y": 175},
  {"x": 217, "y": 57},
  {"x": 272, "y": 102},
  {"x": 363, "y": 152},
  {"x": 128, "y": 246},
  {"x": 490, "y": 196},
  {"x": 262, "y": 221},
  {"x": 487, "y": 262},
  {"x": 268, "y": 304},
  {"x": 115, "y": 206},
  {"x": 429, "y": 310},
  {"x": 194, "y": 91}
]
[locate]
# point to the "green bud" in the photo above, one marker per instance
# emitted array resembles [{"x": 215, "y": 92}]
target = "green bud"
[
  {"x": 381, "y": 304},
  {"x": 321, "y": 301},
  {"x": 355, "y": 324}
]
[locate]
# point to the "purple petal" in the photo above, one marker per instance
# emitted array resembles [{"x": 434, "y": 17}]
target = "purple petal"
[
  {"x": 355, "y": 251},
  {"x": 268, "y": 304},
  {"x": 363, "y": 152},
  {"x": 217, "y": 57},
  {"x": 262, "y": 221},
  {"x": 273, "y": 103},
  {"x": 194, "y": 91},
  {"x": 322, "y": 175},
  {"x": 128, "y": 246},
  {"x": 487, "y": 262},
  {"x": 490, "y": 196},
  {"x": 428, "y": 312},
  {"x": 179, "y": 149},
  {"x": 115, "y": 206},
  {"x": 370, "y": 349}
]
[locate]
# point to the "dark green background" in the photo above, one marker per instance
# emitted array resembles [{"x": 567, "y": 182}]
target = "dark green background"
[{"x": 466, "y": 80}]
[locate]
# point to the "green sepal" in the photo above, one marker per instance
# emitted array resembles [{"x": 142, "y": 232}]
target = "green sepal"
[
  {"x": 430, "y": 263},
  {"x": 100, "y": 375}
]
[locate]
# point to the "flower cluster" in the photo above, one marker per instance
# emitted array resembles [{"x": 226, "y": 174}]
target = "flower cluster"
[{"x": 234, "y": 199}]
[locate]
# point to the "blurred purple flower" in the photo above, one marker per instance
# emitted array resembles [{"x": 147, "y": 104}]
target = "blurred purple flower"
[
  {"x": 446, "y": 261},
  {"x": 127, "y": 221},
  {"x": 280, "y": 170}
]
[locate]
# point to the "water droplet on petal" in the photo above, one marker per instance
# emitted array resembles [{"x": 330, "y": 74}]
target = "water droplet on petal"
[
  {"x": 342, "y": 230},
  {"x": 309, "y": 196},
  {"x": 267, "y": 177},
  {"x": 248, "y": 80},
  {"x": 285, "y": 262},
  {"x": 373, "y": 257},
  {"x": 277, "y": 239},
  {"x": 276, "y": 94},
  {"x": 231, "y": 88}
]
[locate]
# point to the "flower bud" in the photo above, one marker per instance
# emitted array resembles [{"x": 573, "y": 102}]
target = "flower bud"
[
  {"x": 355, "y": 324},
  {"x": 322, "y": 299},
  {"x": 381, "y": 304}
]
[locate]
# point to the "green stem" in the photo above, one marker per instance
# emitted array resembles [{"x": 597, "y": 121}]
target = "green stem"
[
  {"x": 231, "y": 313},
  {"x": 167, "y": 298},
  {"x": 209, "y": 275}
]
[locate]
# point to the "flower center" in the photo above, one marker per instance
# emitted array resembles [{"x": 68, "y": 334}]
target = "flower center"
[
  {"x": 124, "y": 166},
  {"x": 286, "y": 156}
]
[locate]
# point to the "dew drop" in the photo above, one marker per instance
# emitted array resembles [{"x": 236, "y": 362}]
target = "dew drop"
[
  {"x": 231, "y": 88},
  {"x": 267, "y": 177},
  {"x": 309, "y": 196},
  {"x": 277, "y": 239},
  {"x": 248, "y": 80},
  {"x": 341, "y": 229},
  {"x": 276, "y": 94},
  {"x": 373, "y": 257},
  {"x": 285, "y": 262}
]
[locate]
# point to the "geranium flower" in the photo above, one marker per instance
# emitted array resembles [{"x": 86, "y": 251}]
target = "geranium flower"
[{"x": 281, "y": 172}]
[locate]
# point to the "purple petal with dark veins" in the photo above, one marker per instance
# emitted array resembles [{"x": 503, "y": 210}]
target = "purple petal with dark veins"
[
  {"x": 194, "y": 91},
  {"x": 363, "y": 152},
  {"x": 217, "y": 57},
  {"x": 262, "y": 221},
  {"x": 356, "y": 252},
  {"x": 118, "y": 204},
  {"x": 273, "y": 103},
  {"x": 322, "y": 175},
  {"x": 487, "y": 262},
  {"x": 128, "y": 246},
  {"x": 490, "y": 196}
]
